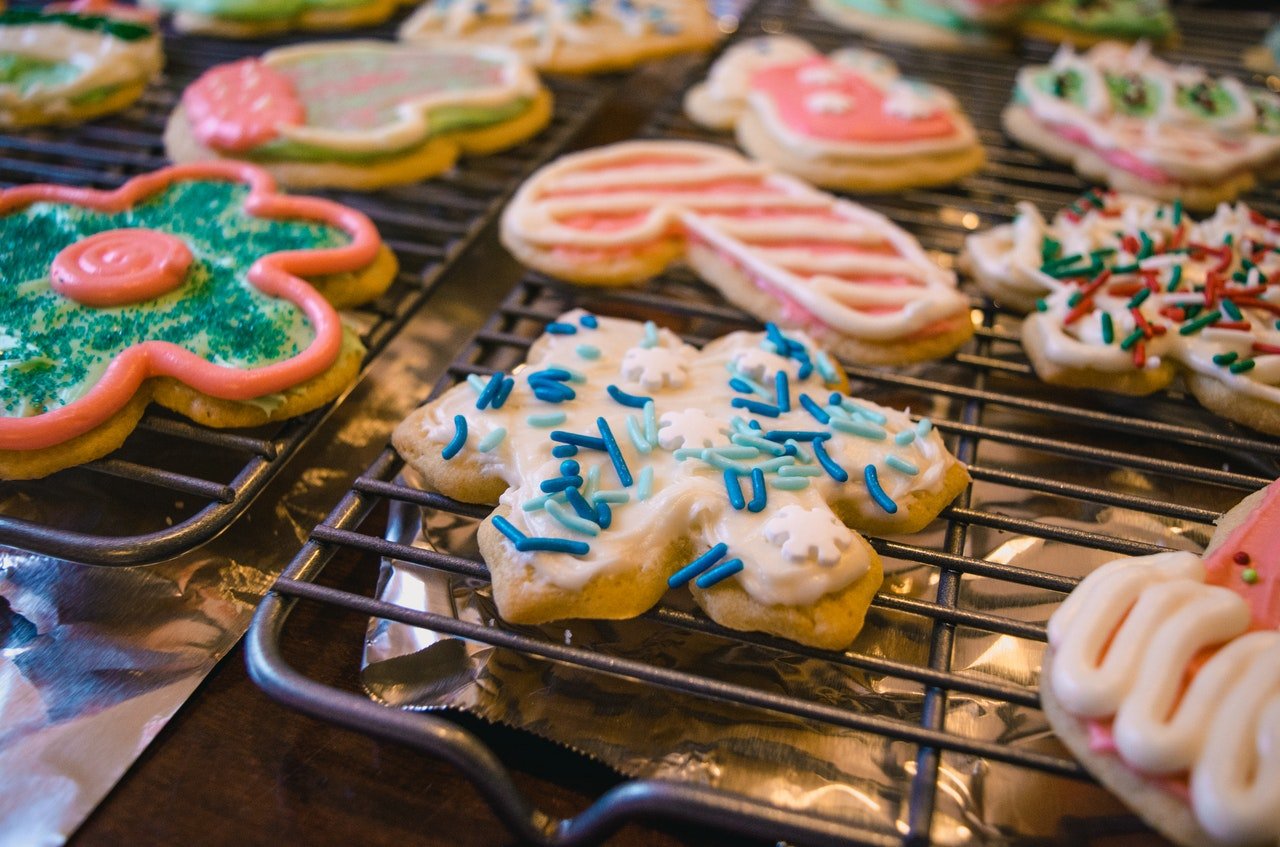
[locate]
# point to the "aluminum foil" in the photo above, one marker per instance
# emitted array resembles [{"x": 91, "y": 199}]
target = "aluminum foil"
[{"x": 856, "y": 777}]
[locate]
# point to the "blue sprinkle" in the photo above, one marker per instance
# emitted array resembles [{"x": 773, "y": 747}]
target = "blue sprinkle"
[
  {"x": 558, "y": 328},
  {"x": 604, "y": 515},
  {"x": 504, "y": 392},
  {"x": 901, "y": 465},
  {"x": 826, "y": 369},
  {"x": 782, "y": 436},
  {"x": 632, "y": 400},
  {"x": 579, "y": 503},
  {"x": 572, "y": 521},
  {"x": 645, "y": 486},
  {"x": 734, "y": 488},
  {"x": 877, "y": 493},
  {"x": 756, "y": 426},
  {"x": 560, "y": 483},
  {"x": 751, "y": 384},
  {"x": 864, "y": 429},
  {"x": 553, "y": 374},
  {"x": 459, "y": 437},
  {"x": 755, "y": 407},
  {"x": 504, "y": 526},
  {"x": 589, "y": 321},
  {"x": 590, "y": 442},
  {"x": 650, "y": 335},
  {"x": 836, "y": 398},
  {"x": 698, "y": 565},
  {"x": 651, "y": 423},
  {"x": 775, "y": 335},
  {"x": 761, "y": 444},
  {"x": 493, "y": 439},
  {"x": 553, "y": 545},
  {"x": 546, "y": 419},
  {"x": 569, "y": 468},
  {"x": 588, "y": 351},
  {"x": 737, "y": 384},
  {"x": 638, "y": 440},
  {"x": 806, "y": 368},
  {"x": 564, "y": 451},
  {"x": 574, "y": 376},
  {"x": 490, "y": 391},
  {"x": 922, "y": 428},
  {"x": 836, "y": 472},
  {"x": 719, "y": 573},
  {"x": 782, "y": 388},
  {"x": 615, "y": 454},
  {"x": 552, "y": 392},
  {"x": 611, "y": 497},
  {"x": 814, "y": 409},
  {"x": 905, "y": 437},
  {"x": 758, "y": 494}
]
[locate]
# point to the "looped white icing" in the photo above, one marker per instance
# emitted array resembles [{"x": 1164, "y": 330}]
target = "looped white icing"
[
  {"x": 808, "y": 534},
  {"x": 869, "y": 279}
]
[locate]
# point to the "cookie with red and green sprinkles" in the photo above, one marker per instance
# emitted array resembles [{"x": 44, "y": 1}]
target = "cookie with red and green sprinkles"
[
  {"x": 626, "y": 463},
  {"x": 191, "y": 286},
  {"x": 1126, "y": 293}
]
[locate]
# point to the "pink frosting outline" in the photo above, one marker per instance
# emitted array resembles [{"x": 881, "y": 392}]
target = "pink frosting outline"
[{"x": 276, "y": 275}]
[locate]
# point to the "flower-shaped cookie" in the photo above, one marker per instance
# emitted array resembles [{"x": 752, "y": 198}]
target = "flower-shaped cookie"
[
  {"x": 786, "y": 252},
  {"x": 736, "y": 469},
  {"x": 1132, "y": 291},
  {"x": 1163, "y": 677},
  {"x": 1122, "y": 116},
  {"x": 358, "y": 114},
  {"x": 847, "y": 120},
  {"x": 72, "y": 64},
  {"x": 183, "y": 286}
]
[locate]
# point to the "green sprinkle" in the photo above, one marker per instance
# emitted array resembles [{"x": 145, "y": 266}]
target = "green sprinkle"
[
  {"x": 493, "y": 439},
  {"x": 1249, "y": 575},
  {"x": 1225, "y": 359},
  {"x": 1125, "y": 269},
  {"x": 1175, "y": 278},
  {"x": 801, "y": 454},
  {"x": 1232, "y": 310},
  {"x": 1042, "y": 305},
  {"x": 1131, "y": 339},
  {"x": 644, "y": 483},
  {"x": 545, "y": 419},
  {"x": 1074, "y": 299},
  {"x": 1191, "y": 327},
  {"x": 1242, "y": 366},
  {"x": 571, "y": 520},
  {"x": 588, "y": 351},
  {"x": 1048, "y": 250},
  {"x": 860, "y": 428},
  {"x": 789, "y": 483},
  {"x": 826, "y": 369},
  {"x": 1049, "y": 267},
  {"x": 1177, "y": 212},
  {"x": 901, "y": 465},
  {"x": 1147, "y": 247},
  {"x": 1138, "y": 299},
  {"x": 650, "y": 335},
  {"x": 797, "y": 470},
  {"x": 1108, "y": 328},
  {"x": 684, "y": 453}
]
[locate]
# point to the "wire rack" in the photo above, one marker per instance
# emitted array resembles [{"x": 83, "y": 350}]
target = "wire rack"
[
  {"x": 183, "y": 483},
  {"x": 1161, "y": 465}
]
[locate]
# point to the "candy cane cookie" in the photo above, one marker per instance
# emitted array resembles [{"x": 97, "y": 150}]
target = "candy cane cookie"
[
  {"x": 847, "y": 120},
  {"x": 1163, "y": 677},
  {"x": 358, "y": 114},
  {"x": 625, "y": 463},
  {"x": 1120, "y": 115},
  {"x": 191, "y": 286},
  {"x": 782, "y": 250},
  {"x": 1129, "y": 292}
]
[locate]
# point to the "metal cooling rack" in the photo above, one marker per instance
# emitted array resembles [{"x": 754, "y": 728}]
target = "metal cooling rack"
[
  {"x": 174, "y": 484},
  {"x": 1160, "y": 459}
]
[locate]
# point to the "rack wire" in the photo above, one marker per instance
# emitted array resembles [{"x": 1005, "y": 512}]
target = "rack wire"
[
  {"x": 175, "y": 484},
  {"x": 1163, "y": 465}
]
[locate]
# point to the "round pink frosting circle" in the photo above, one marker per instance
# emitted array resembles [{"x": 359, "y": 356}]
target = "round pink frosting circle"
[{"x": 120, "y": 266}]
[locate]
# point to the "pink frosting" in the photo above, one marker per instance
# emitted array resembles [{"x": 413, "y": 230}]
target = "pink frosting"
[
  {"x": 864, "y": 120},
  {"x": 120, "y": 266},
  {"x": 1258, "y": 539},
  {"x": 241, "y": 105},
  {"x": 1122, "y": 159}
]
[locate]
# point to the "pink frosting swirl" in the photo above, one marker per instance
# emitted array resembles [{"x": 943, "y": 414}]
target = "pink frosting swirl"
[{"x": 120, "y": 266}]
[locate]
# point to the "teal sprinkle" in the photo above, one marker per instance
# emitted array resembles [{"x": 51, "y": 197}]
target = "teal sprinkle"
[
  {"x": 1232, "y": 310},
  {"x": 1225, "y": 359},
  {"x": 476, "y": 382},
  {"x": 650, "y": 423},
  {"x": 493, "y": 439},
  {"x": 923, "y": 428},
  {"x": 570, "y": 520},
  {"x": 574, "y": 376},
  {"x": 611, "y": 496},
  {"x": 789, "y": 483},
  {"x": 650, "y": 335},
  {"x": 738, "y": 451},
  {"x": 533, "y": 504},
  {"x": 588, "y": 351},
  {"x": 796, "y": 470},
  {"x": 1138, "y": 299},
  {"x": 778, "y": 464},
  {"x": 905, "y": 437},
  {"x": 644, "y": 485},
  {"x": 859, "y": 428},
  {"x": 738, "y": 425},
  {"x": 716, "y": 460},
  {"x": 901, "y": 465},
  {"x": 762, "y": 444},
  {"x": 546, "y": 419},
  {"x": 637, "y": 436},
  {"x": 826, "y": 370},
  {"x": 683, "y": 453},
  {"x": 858, "y": 409},
  {"x": 1241, "y": 366}
]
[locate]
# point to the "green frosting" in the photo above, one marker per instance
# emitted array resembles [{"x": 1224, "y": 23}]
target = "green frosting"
[
  {"x": 257, "y": 11},
  {"x": 1127, "y": 19},
  {"x": 53, "y": 349},
  {"x": 1268, "y": 112},
  {"x": 27, "y": 72},
  {"x": 123, "y": 30},
  {"x": 1207, "y": 98},
  {"x": 1133, "y": 94},
  {"x": 1065, "y": 85},
  {"x": 925, "y": 11}
]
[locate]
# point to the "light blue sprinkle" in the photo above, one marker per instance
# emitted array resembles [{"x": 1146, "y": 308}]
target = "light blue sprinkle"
[
  {"x": 826, "y": 370},
  {"x": 756, "y": 388},
  {"x": 650, "y": 335},
  {"x": 858, "y": 409},
  {"x": 737, "y": 452},
  {"x": 777, "y": 464},
  {"x": 683, "y": 453},
  {"x": 637, "y": 436},
  {"x": 545, "y": 419},
  {"x": 901, "y": 465},
  {"x": 611, "y": 497},
  {"x": 718, "y": 461},
  {"x": 763, "y": 444},
  {"x": 860, "y": 428},
  {"x": 493, "y": 439},
  {"x": 796, "y": 470},
  {"x": 588, "y": 351},
  {"x": 476, "y": 382},
  {"x": 768, "y": 346},
  {"x": 801, "y": 454},
  {"x": 838, "y": 413},
  {"x": 593, "y": 482},
  {"x": 905, "y": 437},
  {"x": 923, "y": 428},
  {"x": 644, "y": 487},
  {"x": 533, "y": 504},
  {"x": 789, "y": 483},
  {"x": 651, "y": 423},
  {"x": 571, "y": 520}
]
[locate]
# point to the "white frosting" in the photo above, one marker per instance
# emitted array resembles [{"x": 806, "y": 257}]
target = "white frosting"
[
  {"x": 1009, "y": 258},
  {"x": 795, "y": 551},
  {"x": 1124, "y": 642},
  {"x": 1180, "y": 142},
  {"x": 766, "y": 226},
  {"x": 100, "y": 60}
]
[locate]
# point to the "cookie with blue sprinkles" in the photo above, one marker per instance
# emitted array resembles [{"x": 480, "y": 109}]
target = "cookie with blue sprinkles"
[{"x": 625, "y": 463}]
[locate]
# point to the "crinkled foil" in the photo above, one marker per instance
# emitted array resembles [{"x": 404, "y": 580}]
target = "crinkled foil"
[{"x": 857, "y": 777}]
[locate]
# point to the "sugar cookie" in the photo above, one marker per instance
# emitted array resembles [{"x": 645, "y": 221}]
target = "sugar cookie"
[
  {"x": 1084, "y": 23},
  {"x": 942, "y": 24},
  {"x": 258, "y": 18}
]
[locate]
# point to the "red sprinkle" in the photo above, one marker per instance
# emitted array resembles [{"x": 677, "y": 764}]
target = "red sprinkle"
[
  {"x": 1174, "y": 313},
  {"x": 1086, "y": 298},
  {"x": 1232, "y": 325},
  {"x": 1140, "y": 354},
  {"x": 1240, "y": 558},
  {"x": 1253, "y": 303},
  {"x": 1266, "y": 349}
]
